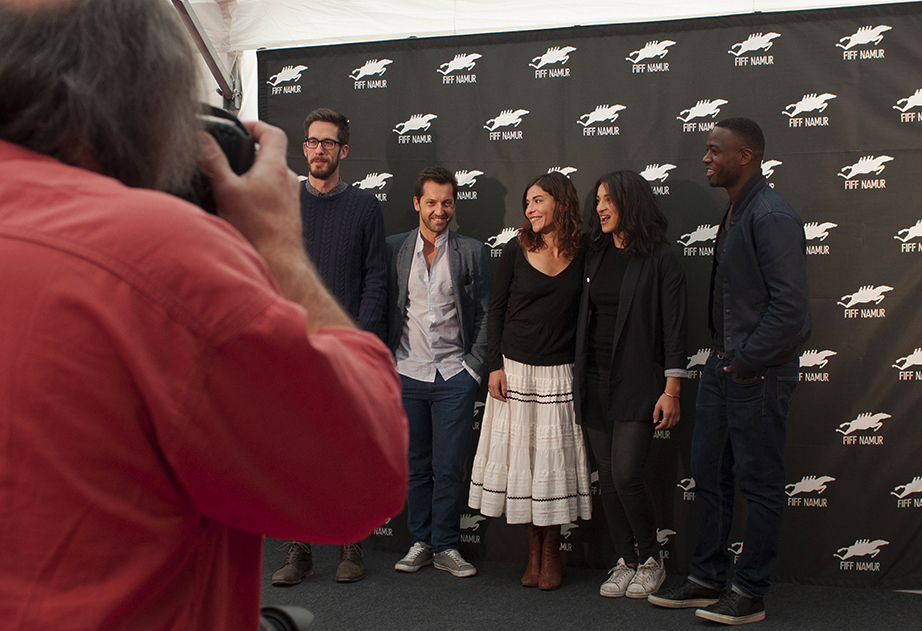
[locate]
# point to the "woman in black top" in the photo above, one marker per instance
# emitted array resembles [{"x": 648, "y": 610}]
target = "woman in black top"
[
  {"x": 630, "y": 360},
  {"x": 531, "y": 460}
]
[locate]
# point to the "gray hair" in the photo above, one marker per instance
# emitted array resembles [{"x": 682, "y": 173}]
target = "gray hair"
[{"x": 108, "y": 85}]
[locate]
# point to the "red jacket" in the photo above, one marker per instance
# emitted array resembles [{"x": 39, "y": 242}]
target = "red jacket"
[{"x": 162, "y": 407}]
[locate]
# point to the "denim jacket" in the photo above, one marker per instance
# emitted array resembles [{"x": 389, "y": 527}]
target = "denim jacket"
[{"x": 763, "y": 263}]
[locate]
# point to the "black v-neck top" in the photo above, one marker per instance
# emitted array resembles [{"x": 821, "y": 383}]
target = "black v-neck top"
[{"x": 533, "y": 316}]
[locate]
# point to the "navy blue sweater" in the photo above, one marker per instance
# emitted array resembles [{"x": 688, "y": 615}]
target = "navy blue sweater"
[{"x": 344, "y": 238}]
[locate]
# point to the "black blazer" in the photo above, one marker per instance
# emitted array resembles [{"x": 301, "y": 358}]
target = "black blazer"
[{"x": 650, "y": 334}]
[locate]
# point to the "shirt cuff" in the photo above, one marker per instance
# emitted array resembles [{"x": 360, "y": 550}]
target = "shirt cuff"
[{"x": 470, "y": 371}]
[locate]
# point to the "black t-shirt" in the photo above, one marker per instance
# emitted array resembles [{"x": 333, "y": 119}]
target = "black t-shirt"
[
  {"x": 533, "y": 316},
  {"x": 604, "y": 292}
]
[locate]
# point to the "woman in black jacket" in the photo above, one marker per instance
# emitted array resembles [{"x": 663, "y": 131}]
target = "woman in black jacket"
[{"x": 630, "y": 359}]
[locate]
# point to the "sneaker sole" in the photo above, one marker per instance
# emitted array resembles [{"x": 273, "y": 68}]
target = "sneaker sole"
[
  {"x": 611, "y": 595},
  {"x": 412, "y": 568},
  {"x": 734, "y": 620},
  {"x": 458, "y": 573},
  {"x": 653, "y": 599}
]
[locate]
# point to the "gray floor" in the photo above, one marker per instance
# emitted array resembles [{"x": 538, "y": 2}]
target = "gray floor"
[{"x": 494, "y": 599}]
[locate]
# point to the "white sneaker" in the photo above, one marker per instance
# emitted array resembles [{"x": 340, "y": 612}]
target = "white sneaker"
[
  {"x": 419, "y": 556},
  {"x": 648, "y": 579},
  {"x": 618, "y": 580}
]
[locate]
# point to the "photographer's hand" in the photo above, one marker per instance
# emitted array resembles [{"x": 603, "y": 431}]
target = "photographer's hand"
[{"x": 263, "y": 205}]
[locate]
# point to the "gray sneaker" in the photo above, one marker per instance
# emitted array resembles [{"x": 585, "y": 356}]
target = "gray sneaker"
[
  {"x": 618, "y": 580},
  {"x": 419, "y": 556},
  {"x": 451, "y": 561},
  {"x": 649, "y": 577}
]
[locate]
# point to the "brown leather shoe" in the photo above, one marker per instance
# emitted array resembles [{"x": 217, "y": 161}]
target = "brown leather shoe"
[
  {"x": 549, "y": 577},
  {"x": 535, "y": 540},
  {"x": 299, "y": 562},
  {"x": 351, "y": 566}
]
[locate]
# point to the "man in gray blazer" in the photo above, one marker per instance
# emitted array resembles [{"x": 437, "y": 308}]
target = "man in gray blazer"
[{"x": 438, "y": 298}]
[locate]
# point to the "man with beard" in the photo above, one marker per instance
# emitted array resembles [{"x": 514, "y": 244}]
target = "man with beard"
[
  {"x": 759, "y": 317},
  {"x": 343, "y": 226},
  {"x": 343, "y": 231},
  {"x": 174, "y": 385},
  {"x": 439, "y": 295}
]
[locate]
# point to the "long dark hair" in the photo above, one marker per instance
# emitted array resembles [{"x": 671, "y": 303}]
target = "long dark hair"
[
  {"x": 641, "y": 222},
  {"x": 567, "y": 217},
  {"x": 110, "y": 85}
]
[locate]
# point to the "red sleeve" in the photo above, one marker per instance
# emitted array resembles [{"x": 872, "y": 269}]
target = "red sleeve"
[{"x": 296, "y": 436}]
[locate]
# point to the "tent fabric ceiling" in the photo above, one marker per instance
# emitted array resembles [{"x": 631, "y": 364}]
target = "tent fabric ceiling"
[
  {"x": 238, "y": 25},
  {"x": 237, "y": 28}
]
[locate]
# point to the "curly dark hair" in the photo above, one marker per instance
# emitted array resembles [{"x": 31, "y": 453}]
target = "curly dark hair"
[
  {"x": 641, "y": 222},
  {"x": 567, "y": 216}
]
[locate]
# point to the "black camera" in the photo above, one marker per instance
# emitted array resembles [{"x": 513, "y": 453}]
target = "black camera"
[
  {"x": 284, "y": 618},
  {"x": 236, "y": 142}
]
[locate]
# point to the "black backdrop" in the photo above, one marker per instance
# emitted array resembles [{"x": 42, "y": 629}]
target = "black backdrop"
[{"x": 839, "y": 96}]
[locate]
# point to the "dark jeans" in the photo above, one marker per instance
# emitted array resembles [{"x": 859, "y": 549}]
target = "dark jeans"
[
  {"x": 626, "y": 498},
  {"x": 440, "y": 415},
  {"x": 739, "y": 435}
]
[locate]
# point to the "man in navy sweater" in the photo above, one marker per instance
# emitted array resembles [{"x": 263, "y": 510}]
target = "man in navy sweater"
[{"x": 343, "y": 230}]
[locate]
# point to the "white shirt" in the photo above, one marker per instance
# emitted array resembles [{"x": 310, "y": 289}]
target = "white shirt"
[{"x": 431, "y": 338}]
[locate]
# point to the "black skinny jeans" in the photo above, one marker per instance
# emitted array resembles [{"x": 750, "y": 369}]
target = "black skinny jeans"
[{"x": 626, "y": 498}]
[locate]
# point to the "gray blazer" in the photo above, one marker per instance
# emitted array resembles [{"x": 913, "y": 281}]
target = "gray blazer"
[{"x": 470, "y": 281}]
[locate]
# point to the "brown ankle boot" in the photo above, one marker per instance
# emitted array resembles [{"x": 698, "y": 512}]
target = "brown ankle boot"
[
  {"x": 549, "y": 578},
  {"x": 351, "y": 566},
  {"x": 535, "y": 540}
]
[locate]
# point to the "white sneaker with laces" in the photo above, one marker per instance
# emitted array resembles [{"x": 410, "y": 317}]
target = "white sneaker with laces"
[
  {"x": 419, "y": 556},
  {"x": 451, "y": 561},
  {"x": 649, "y": 577},
  {"x": 618, "y": 579}
]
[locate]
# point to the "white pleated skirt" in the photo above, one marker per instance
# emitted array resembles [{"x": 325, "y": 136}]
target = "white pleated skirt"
[{"x": 531, "y": 459}]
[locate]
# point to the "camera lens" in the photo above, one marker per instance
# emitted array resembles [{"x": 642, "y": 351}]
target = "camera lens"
[{"x": 284, "y": 618}]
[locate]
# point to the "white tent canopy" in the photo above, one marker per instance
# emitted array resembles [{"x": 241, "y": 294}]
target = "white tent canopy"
[{"x": 238, "y": 27}]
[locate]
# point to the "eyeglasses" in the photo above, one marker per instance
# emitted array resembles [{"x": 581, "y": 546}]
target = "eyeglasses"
[{"x": 328, "y": 145}]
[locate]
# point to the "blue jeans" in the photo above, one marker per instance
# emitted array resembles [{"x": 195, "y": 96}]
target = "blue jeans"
[
  {"x": 740, "y": 429},
  {"x": 440, "y": 415}
]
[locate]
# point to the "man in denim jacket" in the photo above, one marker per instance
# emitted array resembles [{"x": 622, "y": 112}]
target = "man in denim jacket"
[{"x": 759, "y": 317}]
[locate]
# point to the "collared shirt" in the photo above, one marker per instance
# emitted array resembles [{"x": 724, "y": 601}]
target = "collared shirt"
[
  {"x": 431, "y": 339},
  {"x": 339, "y": 188}
]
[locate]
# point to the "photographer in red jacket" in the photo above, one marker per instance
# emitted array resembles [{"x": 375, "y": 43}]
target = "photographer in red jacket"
[{"x": 172, "y": 385}]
